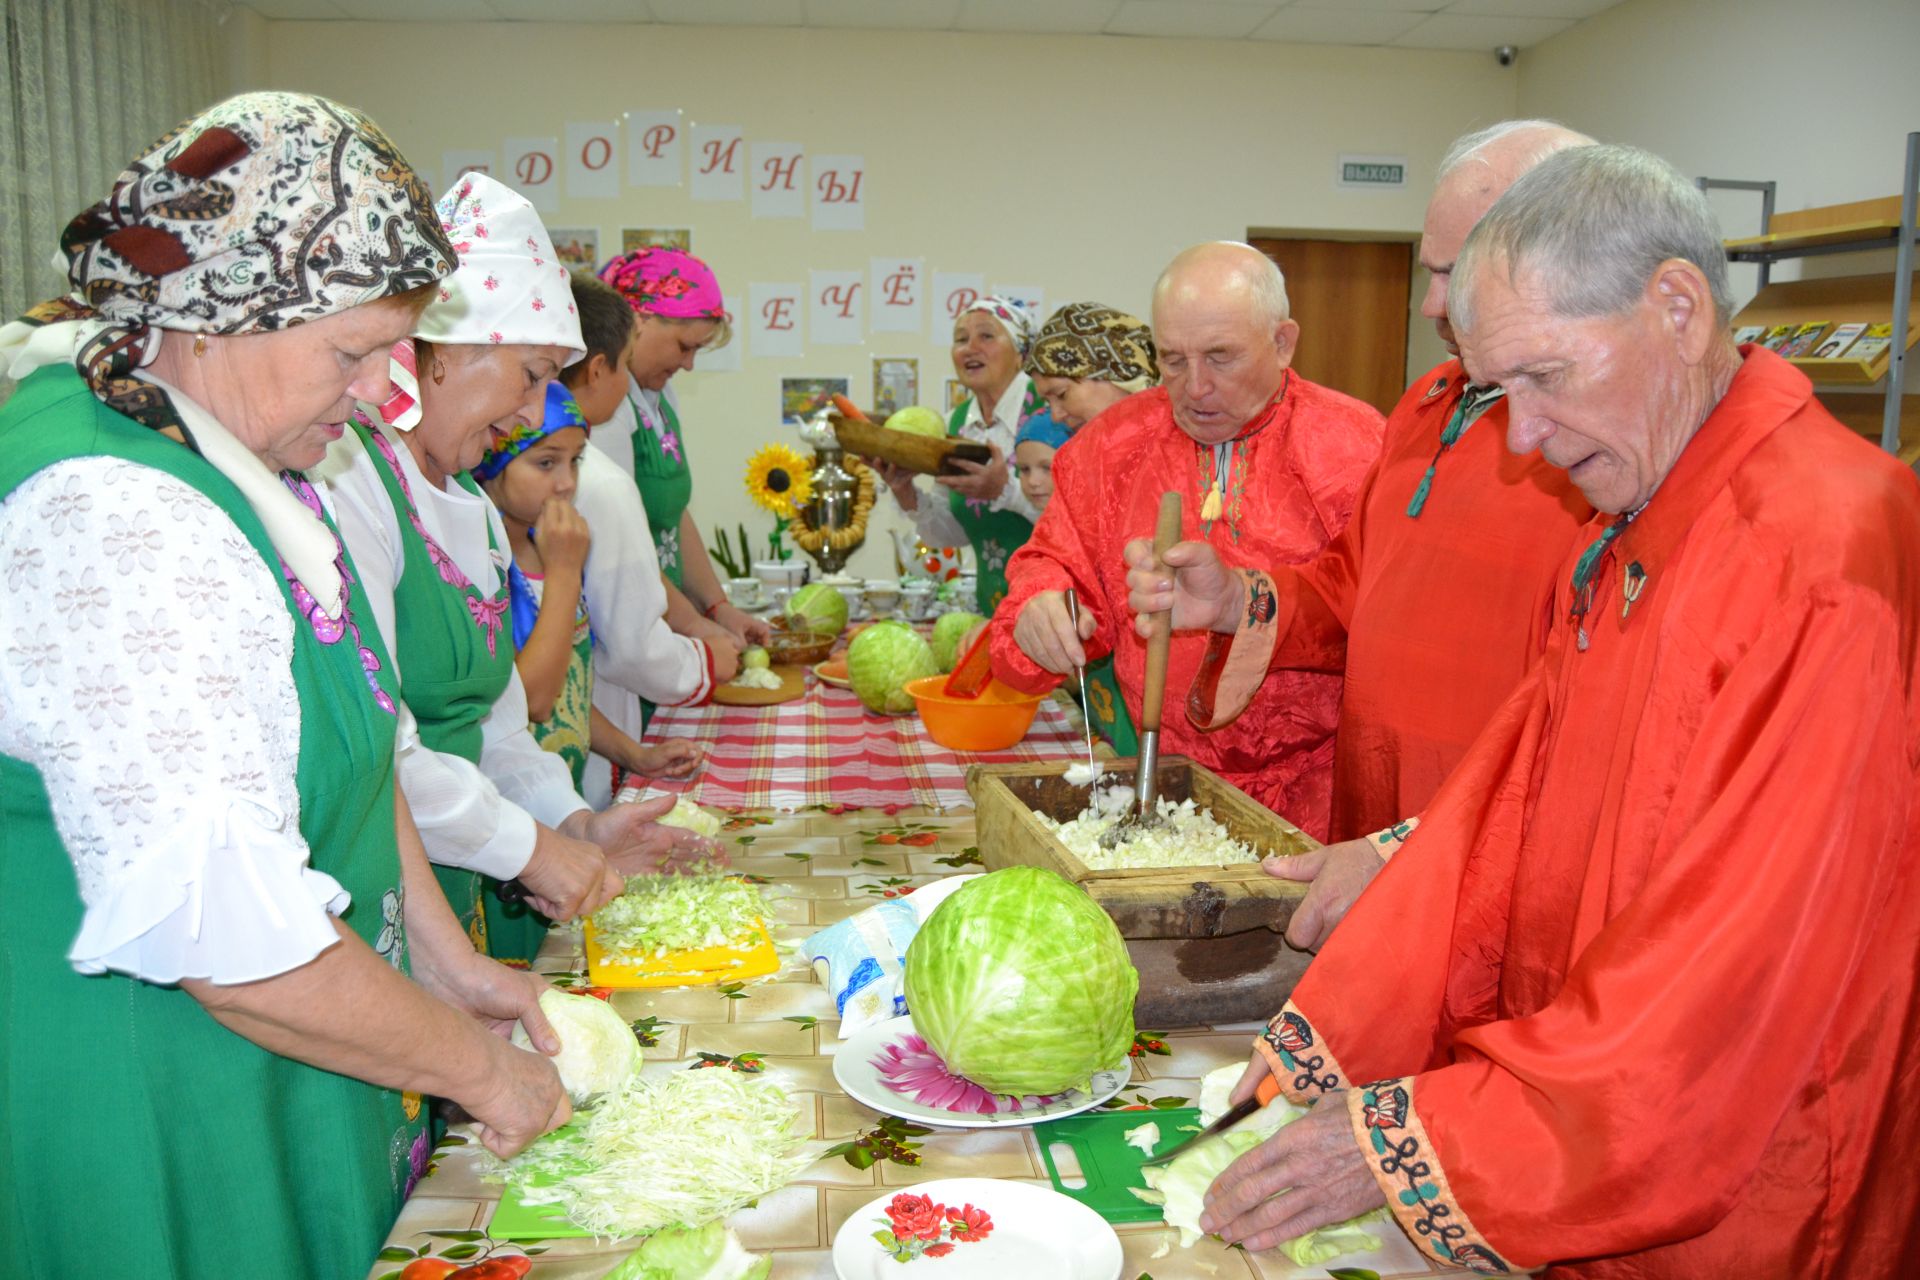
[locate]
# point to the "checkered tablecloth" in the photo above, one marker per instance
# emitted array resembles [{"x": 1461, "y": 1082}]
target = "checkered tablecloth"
[{"x": 826, "y": 749}]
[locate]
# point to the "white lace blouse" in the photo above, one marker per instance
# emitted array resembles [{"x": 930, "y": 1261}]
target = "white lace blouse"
[{"x": 147, "y": 674}]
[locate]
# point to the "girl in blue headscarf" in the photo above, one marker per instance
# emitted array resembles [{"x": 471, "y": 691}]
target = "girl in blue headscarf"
[{"x": 531, "y": 472}]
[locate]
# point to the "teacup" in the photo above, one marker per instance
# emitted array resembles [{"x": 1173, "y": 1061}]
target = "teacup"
[
  {"x": 777, "y": 574},
  {"x": 881, "y": 596},
  {"x": 745, "y": 593},
  {"x": 919, "y": 599}
]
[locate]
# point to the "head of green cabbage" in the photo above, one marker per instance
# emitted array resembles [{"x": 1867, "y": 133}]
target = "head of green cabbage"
[
  {"x": 882, "y": 659},
  {"x": 1022, "y": 984}
]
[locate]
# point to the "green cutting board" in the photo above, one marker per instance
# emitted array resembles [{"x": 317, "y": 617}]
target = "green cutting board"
[
  {"x": 513, "y": 1219},
  {"x": 1109, "y": 1165}
]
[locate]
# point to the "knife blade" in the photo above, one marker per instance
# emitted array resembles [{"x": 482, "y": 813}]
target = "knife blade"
[{"x": 1269, "y": 1089}]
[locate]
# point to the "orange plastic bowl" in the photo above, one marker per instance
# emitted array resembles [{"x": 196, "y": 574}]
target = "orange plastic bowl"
[{"x": 994, "y": 721}]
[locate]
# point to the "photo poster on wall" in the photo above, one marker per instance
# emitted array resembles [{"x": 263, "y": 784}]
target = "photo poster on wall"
[
  {"x": 633, "y": 239},
  {"x": 532, "y": 172},
  {"x": 838, "y": 307},
  {"x": 593, "y": 159},
  {"x": 578, "y": 247},
  {"x": 896, "y": 385},
  {"x": 801, "y": 398},
  {"x": 957, "y": 394},
  {"x": 719, "y": 162},
  {"x": 777, "y": 320},
  {"x": 455, "y": 163},
  {"x": 655, "y": 149},
  {"x": 952, "y": 293},
  {"x": 725, "y": 359}
]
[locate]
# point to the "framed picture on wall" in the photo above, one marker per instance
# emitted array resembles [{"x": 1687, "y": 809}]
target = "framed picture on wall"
[
  {"x": 956, "y": 394},
  {"x": 804, "y": 397},
  {"x": 578, "y": 247},
  {"x": 896, "y": 384},
  {"x": 680, "y": 238}
]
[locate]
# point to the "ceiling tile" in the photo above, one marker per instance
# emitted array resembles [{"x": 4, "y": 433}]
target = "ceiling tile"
[
  {"x": 418, "y": 10},
  {"x": 1337, "y": 26},
  {"x": 1467, "y": 31},
  {"x": 729, "y": 13},
  {"x": 919, "y": 15},
  {"x": 1183, "y": 18},
  {"x": 294, "y": 10},
  {"x": 1056, "y": 17},
  {"x": 573, "y": 10},
  {"x": 1575, "y": 9},
  {"x": 1376, "y": 6}
]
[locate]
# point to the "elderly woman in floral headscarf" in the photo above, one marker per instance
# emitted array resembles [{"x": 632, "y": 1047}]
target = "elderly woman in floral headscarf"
[
  {"x": 678, "y": 313},
  {"x": 494, "y": 809},
  {"x": 984, "y": 505},
  {"x": 215, "y": 892},
  {"x": 1089, "y": 357}
]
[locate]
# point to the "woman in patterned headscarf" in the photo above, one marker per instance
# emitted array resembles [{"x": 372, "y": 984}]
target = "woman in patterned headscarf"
[
  {"x": 1088, "y": 357},
  {"x": 678, "y": 312},
  {"x": 214, "y": 1045},
  {"x": 983, "y": 505},
  {"x": 493, "y": 808}
]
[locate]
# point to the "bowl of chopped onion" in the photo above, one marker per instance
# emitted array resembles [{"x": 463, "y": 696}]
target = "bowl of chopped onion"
[
  {"x": 994, "y": 721},
  {"x": 800, "y": 648}
]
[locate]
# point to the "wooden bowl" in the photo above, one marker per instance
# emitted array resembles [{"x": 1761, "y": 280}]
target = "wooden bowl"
[{"x": 799, "y": 648}]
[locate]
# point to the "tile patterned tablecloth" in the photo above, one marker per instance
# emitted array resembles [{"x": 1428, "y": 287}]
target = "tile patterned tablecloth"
[
  {"x": 824, "y": 867},
  {"x": 825, "y": 748}
]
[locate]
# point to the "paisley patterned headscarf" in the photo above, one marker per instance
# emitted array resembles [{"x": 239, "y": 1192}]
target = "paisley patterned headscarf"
[
  {"x": 265, "y": 211},
  {"x": 1014, "y": 318},
  {"x": 666, "y": 282},
  {"x": 1087, "y": 340}
]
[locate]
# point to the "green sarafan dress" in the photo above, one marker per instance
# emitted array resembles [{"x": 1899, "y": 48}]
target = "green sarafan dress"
[
  {"x": 666, "y": 488},
  {"x": 455, "y": 660},
  {"x": 141, "y": 1137}
]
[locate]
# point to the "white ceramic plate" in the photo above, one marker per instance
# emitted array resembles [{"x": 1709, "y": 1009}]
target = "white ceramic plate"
[
  {"x": 853, "y": 1068},
  {"x": 1030, "y": 1231}
]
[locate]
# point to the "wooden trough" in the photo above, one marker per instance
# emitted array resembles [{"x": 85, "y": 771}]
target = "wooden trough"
[{"x": 1206, "y": 940}]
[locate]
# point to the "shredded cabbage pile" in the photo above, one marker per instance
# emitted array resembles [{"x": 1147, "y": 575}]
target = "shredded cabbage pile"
[
  {"x": 659, "y": 914},
  {"x": 755, "y": 678},
  {"x": 1186, "y": 836},
  {"x": 678, "y": 1150},
  {"x": 1180, "y": 1187}
]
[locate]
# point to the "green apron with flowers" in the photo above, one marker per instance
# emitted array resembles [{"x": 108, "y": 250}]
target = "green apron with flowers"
[
  {"x": 995, "y": 535},
  {"x": 455, "y": 657},
  {"x": 568, "y": 731},
  {"x": 666, "y": 483},
  {"x": 1106, "y": 710},
  {"x": 666, "y": 487},
  {"x": 142, "y": 1137}
]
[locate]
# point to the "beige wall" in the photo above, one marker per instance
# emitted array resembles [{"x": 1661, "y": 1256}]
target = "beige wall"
[
  {"x": 1817, "y": 97},
  {"x": 1075, "y": 164}
]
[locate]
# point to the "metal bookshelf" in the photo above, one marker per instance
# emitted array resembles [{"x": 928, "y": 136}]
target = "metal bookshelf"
[{"x": 1902, "y": 237}]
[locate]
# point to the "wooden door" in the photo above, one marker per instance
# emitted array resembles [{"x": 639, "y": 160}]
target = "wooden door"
[{"x": 1351, "y": 300}]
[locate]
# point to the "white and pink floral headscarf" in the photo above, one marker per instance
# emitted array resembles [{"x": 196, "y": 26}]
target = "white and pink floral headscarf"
[{"x": 510, "y": 286}]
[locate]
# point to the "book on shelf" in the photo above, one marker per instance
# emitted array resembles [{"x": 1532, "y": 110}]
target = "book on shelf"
[
  {"x": 1867, "y": 348},
  {"x": 1777, "y": 337},
  {"x": 1748, "y": 333},
  {"x": 1839, "y": 340},
  {"x": 1803, "y": 339}
]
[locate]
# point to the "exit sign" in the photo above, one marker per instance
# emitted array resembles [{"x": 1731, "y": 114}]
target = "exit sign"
[{"x": 1373, "y": 173}]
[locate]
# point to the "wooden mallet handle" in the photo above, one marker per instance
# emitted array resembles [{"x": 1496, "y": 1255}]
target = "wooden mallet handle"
[{"x": 1165, "y": 533}]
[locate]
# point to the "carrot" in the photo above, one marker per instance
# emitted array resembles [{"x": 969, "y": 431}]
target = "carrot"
[{"x": 849, "y": 409}]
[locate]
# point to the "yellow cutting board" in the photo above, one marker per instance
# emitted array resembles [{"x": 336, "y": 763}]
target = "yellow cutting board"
[{"x": 702, "y": 966}]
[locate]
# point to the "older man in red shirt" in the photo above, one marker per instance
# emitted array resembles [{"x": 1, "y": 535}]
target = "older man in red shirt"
[
  {"x": 1267, "y": 464},
  {"x": 1638, "y": 998}
]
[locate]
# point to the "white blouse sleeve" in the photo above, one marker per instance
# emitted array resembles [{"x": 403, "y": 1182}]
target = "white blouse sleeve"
[
  {"x": 148, "y": 676},
  {"x": 633, "y": 645},
  {"x": 462, "y": 818}
]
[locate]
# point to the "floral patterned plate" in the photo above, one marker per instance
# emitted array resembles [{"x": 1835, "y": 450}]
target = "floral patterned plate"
[
  {"x": 979, "y": 1229},
  {"x": 890, "y": 1068}
]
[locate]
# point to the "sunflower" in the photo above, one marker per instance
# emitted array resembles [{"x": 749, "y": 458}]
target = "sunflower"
[{"x": 779, "y": 480}]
